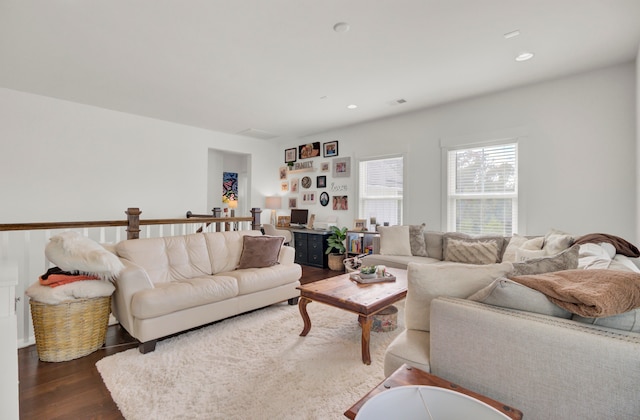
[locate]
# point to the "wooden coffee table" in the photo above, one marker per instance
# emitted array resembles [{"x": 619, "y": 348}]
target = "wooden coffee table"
[
  {"x": 407, "y": 375},
  {"x": 365, "y": 300}
]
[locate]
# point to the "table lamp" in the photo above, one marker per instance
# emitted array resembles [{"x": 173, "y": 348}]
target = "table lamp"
[
  {"x": 233, "y": 205},
  {"x": 273, "y": 203}
]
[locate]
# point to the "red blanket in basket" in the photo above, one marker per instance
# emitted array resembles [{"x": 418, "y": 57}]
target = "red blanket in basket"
[{"x": 55, "y": 277}]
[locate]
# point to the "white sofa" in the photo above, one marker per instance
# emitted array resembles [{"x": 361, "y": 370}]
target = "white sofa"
[
  {"x": 512, "y": 344},
  {"x": 172, "y": 284}
]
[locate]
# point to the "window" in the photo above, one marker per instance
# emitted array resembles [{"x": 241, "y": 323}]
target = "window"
[
  {"x": 483, "y": 189},
  {"x": 381, "y": 189}
]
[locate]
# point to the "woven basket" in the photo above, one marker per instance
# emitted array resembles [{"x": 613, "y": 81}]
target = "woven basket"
[{"x": 70, "y": 330}]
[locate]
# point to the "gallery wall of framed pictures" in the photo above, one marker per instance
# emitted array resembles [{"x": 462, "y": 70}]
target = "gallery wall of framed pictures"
[{"x": 315, "y": 175}]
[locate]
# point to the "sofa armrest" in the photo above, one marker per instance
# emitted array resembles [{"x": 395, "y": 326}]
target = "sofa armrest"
[
  {"x": 287, "y": 255},
  {"x": 132, "y": 279},
  {"x": 550, "y": 368}
]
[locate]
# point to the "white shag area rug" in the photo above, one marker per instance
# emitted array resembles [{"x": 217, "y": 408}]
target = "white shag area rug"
[{"x": 254, "y": 366}]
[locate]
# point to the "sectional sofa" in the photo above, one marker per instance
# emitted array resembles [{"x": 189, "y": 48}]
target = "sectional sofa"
[
  {"x": 172, "y": 284},
  {"x": 474, "y": 325}
]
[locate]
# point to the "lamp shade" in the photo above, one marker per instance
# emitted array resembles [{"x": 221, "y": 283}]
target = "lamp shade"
[
  {"x": 233, "y": 204},
  {"x": 273, "y": 202}
]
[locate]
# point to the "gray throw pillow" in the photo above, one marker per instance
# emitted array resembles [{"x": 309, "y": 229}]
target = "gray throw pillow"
[
  {"x": 260, "y": 251},
  {"x": 416, "y": 239},
  {"x": 627, "y": 321},
  {"x": 566, "y": 260},
  {"x": 509, "y": 294}
]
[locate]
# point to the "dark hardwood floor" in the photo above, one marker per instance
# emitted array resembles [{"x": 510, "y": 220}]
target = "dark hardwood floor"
[{"x": 74, "y": 389}]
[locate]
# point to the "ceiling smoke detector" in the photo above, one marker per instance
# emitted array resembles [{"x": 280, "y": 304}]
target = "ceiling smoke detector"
[{"x": 341, "y": 27}]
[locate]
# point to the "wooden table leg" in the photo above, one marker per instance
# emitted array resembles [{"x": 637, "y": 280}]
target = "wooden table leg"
[
  {"x": 302, "y": 306},
  {"x": 365, "y": 323}
]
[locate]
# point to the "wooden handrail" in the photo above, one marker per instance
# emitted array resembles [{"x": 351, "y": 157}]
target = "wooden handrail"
[{"x": 134, "y": 222}]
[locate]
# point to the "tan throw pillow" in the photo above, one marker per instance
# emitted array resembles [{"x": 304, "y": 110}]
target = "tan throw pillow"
[
  {"x": 566, "y": 260},
  {"x": 394, "y": 240},
  {"x": 509, "y": 294},
  {"x": 499, "y": 240},
  {"x": 260, "y": 251},
  {"x": 533, "y": 243},
  {"x": 428, "y": 281},
  {"x": 476, "y": 252},
  {"x": 416, "y": 240}
]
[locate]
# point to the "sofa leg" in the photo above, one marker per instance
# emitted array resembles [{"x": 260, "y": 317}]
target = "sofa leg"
[
  {"x": 147, "y": 346},
  {"x": 293, "y": 301}
]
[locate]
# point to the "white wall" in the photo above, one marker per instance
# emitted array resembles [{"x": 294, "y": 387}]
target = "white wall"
[
  {"x": 64, "y": 161},
  {"x": 577, "y": 161},
  {"x": 638, "y": 144}
]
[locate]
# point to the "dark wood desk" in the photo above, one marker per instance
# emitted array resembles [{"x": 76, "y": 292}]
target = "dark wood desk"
[{"x": 406, "y": 375}]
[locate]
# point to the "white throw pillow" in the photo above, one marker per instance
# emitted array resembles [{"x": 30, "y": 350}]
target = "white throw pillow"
[
  {"x": 394, "y": 240},
  {"x": 428, "y": 281},
  {"x": 556, "y": 241},
  {"x": 515, "y": 242}
]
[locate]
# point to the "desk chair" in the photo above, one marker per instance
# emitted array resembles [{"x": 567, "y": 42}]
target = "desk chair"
[{"x": 272, "y": 231}]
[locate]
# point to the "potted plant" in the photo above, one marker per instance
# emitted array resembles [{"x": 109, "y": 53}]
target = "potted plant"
[{"x": 336, "y": 248}]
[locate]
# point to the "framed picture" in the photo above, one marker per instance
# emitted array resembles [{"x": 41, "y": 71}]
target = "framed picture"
[
  {"x": 324, "y": 199},
  {"x": 309, "y": 197},
  {"x": 293, "y": 203},
  {"x": 324, "y": 167},
  {"x": 340, "y": 202},
  {"x": 330, "y": 148},
  {"x": 284, "y": 186},
  {"x": 321, "y": 181},
  {"x": 309, "y": 150},
  {"x": 342, "y": 167},
  {"x": 360, "y": 224},
  {"x": 306, "y": 182},
  {"x": 294, "y": 185},
  {"x": 290, "y": 155},
  {"x": 283, "y": 172},
  {"x": 284, "y": 221}
]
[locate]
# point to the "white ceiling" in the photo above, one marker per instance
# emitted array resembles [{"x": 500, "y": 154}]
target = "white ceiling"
[{"x": 278, "y": 66}]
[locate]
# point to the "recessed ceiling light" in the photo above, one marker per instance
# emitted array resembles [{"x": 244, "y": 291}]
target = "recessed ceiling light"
[
  {"x": 341, "y": 27},
  {"x": 524, "y": 56},
  {"x": 511, "y": 34},
  {"x": 352, "y": 106}
]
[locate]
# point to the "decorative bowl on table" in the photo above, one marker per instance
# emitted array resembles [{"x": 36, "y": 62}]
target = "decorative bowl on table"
[{"x": 369, "y": 272}]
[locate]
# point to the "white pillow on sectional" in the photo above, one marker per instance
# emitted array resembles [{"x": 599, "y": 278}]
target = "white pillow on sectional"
[
  {"x": 515, "y": 242},
  {"x": 394, "y": 240}
]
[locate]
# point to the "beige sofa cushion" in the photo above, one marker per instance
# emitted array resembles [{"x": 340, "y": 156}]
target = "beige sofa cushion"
[
  {"x": 175, "y": 296},
  {"x": 428, "y": 281},
  {"x": 433, "y": 240},
  {"x": 225, "y": 249},
  {"x": 170, "y": 258}
]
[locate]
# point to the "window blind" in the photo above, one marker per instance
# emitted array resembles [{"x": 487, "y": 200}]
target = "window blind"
[
  {"x": 483, "y": 189},
  {"x": 381, "y": 189}
]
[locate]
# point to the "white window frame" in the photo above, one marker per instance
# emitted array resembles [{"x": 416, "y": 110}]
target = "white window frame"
[
  {"x": 362, "y": 198},
  {"x": 449, "y": 184}
]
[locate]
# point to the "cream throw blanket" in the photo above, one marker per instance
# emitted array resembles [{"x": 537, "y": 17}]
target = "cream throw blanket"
[{"x": 588, "y": 293}]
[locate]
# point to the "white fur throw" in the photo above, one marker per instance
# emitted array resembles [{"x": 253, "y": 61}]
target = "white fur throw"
[
  {"x": 85, "y": 289},
  {"x": 73, "y": 252}
]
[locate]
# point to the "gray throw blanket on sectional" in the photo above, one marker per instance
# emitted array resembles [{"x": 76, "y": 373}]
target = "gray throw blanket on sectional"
[{"x": 588, "y": 293}]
